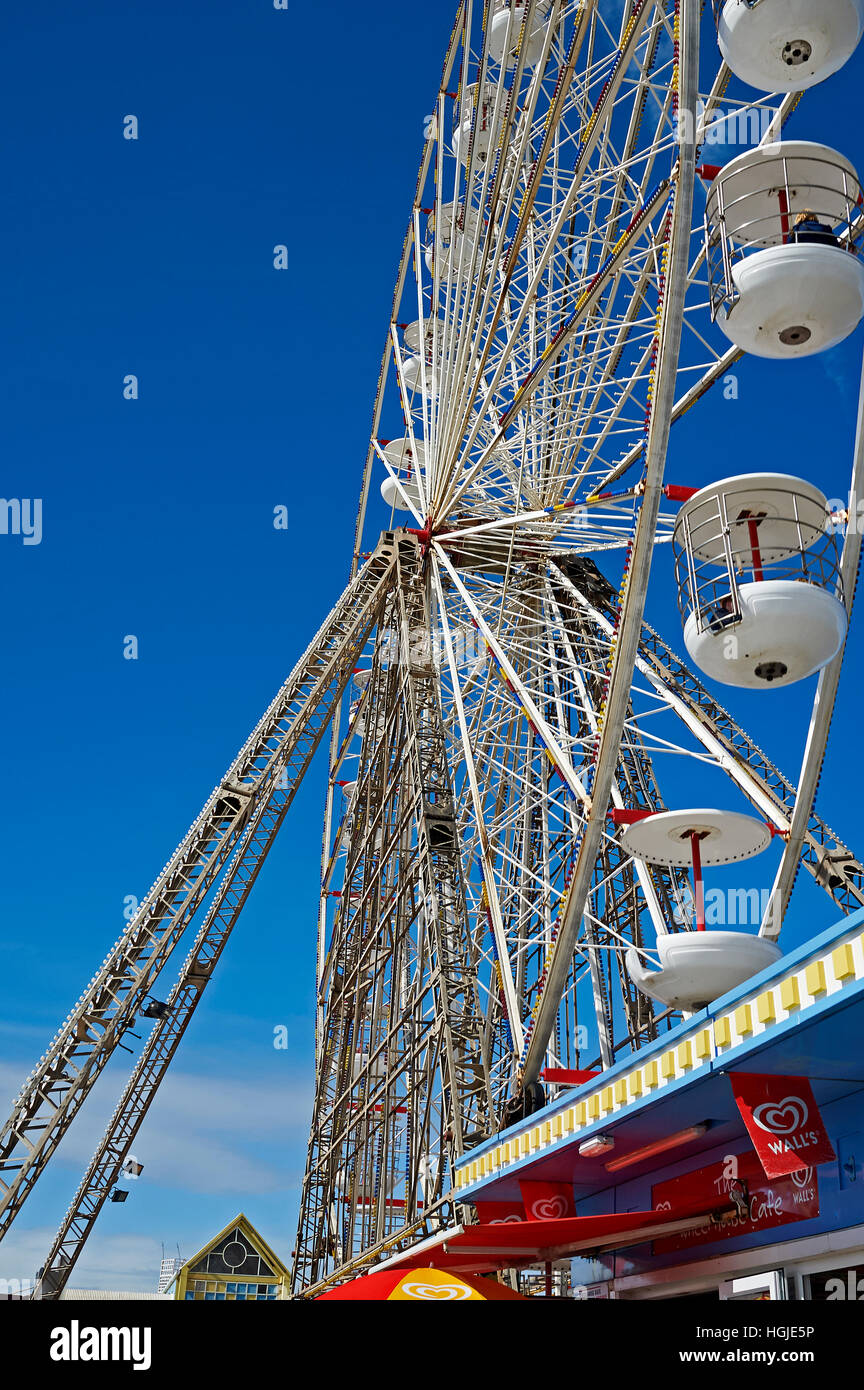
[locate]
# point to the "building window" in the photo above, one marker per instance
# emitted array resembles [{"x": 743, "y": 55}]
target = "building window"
[{"x": 232, "y": 1256}]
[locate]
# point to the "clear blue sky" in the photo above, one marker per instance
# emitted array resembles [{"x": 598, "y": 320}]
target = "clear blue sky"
[{"x": 155, "y": 257}]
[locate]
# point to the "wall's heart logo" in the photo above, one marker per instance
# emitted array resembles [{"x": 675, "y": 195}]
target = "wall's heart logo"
[
  {"x": 549, "y": 1208},
  {"x": 442, "y": 1293},
  {"x": 783, "y": 1120},
  {"x": 803, "y": 1178},
  {"x": 782, "y": 1116},
  {"x": 505, "y": 1220},
  {"x": 663, "y": 1206}
]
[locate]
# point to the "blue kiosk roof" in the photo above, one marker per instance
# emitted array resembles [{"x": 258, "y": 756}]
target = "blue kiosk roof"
[{"x": 803, "y": 1016}]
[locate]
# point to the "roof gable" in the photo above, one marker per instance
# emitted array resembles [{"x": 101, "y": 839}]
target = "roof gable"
[{"x": 237, "y": 1250}]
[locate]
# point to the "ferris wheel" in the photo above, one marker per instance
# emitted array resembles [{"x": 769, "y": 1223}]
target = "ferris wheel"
[
  {"x": 509, "y": 897},
  {"x": 575, "y": 276}
]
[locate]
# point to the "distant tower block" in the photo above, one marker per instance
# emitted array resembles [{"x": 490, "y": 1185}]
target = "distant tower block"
[
  {"x": 759, "y": 580},
  {"x": 783, "y": 244},
  {"x": 788, "y": 45},
  {"x": 168, "y": 1271}
]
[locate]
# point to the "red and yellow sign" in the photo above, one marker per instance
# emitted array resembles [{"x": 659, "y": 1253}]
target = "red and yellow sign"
[{"x": 422, "y": 1286}]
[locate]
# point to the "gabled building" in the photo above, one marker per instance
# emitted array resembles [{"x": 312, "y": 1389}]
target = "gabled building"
[{"x": 236, "y": 1266}]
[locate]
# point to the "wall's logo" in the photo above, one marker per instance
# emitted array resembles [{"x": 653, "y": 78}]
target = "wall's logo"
[
  {"x": 803, "y": 1178},
  {"x": 549, "y": 1208},
  {"x": 787, "y": 1131},
  {"x": 442, "y": 1293},
  {"x": 505, "y": 1220},
  {"x": 785, "y": 1116}
]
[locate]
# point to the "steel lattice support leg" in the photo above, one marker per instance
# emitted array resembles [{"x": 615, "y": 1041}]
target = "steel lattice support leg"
[
  {"x": 274, "y": 757},
  {"x": 403, "y": 1084}
]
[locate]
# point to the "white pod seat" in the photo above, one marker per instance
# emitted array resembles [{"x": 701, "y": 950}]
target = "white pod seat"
[
  {"x": 405, "y": 454},
  {"x": 402, "y": 494},
  {"x": 788, "y": 45},
  {"x": 783, "y": 289},
  {"x": 413, "y": 334},
  {"x": 418, "y": 341},
  {"x": 795, "y": 301},
  {"x": 698, "y": 967},
  {"x": 504, "y": 33},
  {"x": 759, "y": 580},
  {"x": 477, "y": 116},
  {"x": 789, "y": 629},
  {"x": 413, "y": 376},
  {"x": 453, "y": 246}
]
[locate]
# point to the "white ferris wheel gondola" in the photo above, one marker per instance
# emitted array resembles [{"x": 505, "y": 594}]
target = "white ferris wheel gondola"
[
  {"x": 477, "y": 119},
  {"x": 416, "y": 333},
  {"x": 759, "y": 580},
  {"x": 784, "y": 229},
  {"x": 454, "y": 238},
  {"x": 699, "y": 966},
  {"x": 419, "y": 340},
  {"x": 401, "y": 493},
  {"x": 404, "y": 455},
  {"x": 788, "y": 45},
  {"x": 506, "y": 27}
]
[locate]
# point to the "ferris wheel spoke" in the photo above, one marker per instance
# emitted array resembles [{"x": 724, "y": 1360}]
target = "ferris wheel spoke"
[
  {"x": 591, "y": 138},
  {"x": 587, "y": 301},
  {"x": 498, "y": 769},
  {"x": 492, "y": 904},
  {"x": 669, "y": 336}
]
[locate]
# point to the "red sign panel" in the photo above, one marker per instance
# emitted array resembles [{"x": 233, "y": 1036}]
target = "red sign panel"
[
  {"x": 548, "y": 1201},
  {"x": 783, "y": 1120},
  {"x": 770, "y": 1202},
  {"x": 499, "y": 1213}
]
